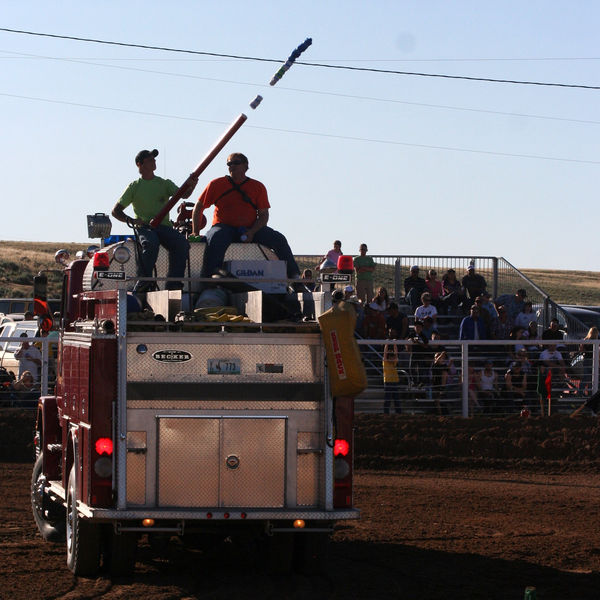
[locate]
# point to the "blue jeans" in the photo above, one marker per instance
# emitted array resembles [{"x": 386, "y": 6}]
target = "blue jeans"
[
  {"x": 219, "y": 237},
  {"x": 150, "y": 240}
]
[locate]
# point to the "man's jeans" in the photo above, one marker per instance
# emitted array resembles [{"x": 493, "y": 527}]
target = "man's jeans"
[
  {"x": 219, "y": 237},
  {"x": 150, "y": 240}
]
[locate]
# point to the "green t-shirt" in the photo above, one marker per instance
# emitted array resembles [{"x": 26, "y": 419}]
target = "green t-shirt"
[
  {"x": 148, "y": 196},
  {"x": 364, "y": 261}
]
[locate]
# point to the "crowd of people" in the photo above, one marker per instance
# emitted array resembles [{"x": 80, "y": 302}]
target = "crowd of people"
[{"x": 501, "y": 378}]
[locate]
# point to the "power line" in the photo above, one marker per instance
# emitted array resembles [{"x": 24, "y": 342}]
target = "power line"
[
  {"x": 305, "y": 91},
  {"x": 310, "y": 133},
  {"x": 308, "y": 64}
]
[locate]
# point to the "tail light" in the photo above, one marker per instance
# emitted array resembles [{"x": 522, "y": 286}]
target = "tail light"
[
  {"x": 342, "y": 453},
  {"x": 103, "y": 461}
]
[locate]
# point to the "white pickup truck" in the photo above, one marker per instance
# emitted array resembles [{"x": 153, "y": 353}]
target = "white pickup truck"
[{"x": 14, "y": 329}]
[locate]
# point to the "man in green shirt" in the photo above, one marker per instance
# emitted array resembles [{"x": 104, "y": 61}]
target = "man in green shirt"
[
  {"x": 364, "y": 266},
  {"x": 148, "y": 195}
]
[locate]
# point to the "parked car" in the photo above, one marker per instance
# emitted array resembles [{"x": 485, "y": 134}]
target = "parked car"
[
  {"x": 14, "y": 329},
  {"x": 590, "y": 318}
]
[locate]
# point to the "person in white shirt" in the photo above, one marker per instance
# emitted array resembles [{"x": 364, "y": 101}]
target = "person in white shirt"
[
  {"x": 30, "y": 359},
  {"x": 427, "y": 309}
]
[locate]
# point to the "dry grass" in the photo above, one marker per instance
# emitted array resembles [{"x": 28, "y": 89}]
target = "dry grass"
[{"x": 20, "y": 261}]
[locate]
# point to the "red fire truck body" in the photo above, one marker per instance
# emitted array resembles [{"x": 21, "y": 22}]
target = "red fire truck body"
[{"x": 196, "y": 430}]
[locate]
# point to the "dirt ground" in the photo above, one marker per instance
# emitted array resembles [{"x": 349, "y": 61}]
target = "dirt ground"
[{"x": 451, "y": 508}]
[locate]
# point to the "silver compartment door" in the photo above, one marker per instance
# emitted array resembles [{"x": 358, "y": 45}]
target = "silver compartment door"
[
  {"x": 253, "y": 455},
  {"x": 188, "y": 461}
]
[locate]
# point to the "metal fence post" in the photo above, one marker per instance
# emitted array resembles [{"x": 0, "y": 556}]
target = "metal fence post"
[
  {"x": 495, "y": 277},
  {"x": 464, "y": 349}
]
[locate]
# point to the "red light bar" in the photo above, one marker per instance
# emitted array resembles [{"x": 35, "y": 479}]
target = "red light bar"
[
  {"x": 101, "y": 260},
  {"x": 341, "y": 447},
  {"x": 104, "y": 446}
]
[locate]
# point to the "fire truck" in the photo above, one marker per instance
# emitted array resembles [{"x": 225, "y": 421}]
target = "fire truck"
[{"x": 174, "y": 422}]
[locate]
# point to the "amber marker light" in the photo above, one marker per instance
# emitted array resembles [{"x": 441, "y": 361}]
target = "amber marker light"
[
  {"x": 299, "y": 524},
  {"x": 148, "y": 522}
]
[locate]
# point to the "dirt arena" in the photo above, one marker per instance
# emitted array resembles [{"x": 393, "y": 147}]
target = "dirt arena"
[{"x": 451, "y": 508}]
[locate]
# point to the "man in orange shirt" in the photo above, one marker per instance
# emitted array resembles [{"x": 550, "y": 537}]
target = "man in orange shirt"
[{"x": 241, "y": 215}]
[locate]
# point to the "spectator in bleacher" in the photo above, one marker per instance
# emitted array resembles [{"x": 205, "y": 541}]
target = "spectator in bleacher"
[
  {"x": 525, "y": 316},
  {"x": 421, "y": 355},
  {"x": 397, "y": 321},
  {"x": 427, "y": 309},
  {"x": 516, "y": 384},
  {"x": 429, "y": 328},
  {"x": 516, "y": 334},
  {"x": 414, "y": 286},
  {"x": 330, "y": 260},
  {"x": 381, "y": 300},
  {"x": 453, "y": 292},
  {"x": 364, "y": 266},
  {"x": 502, "y": 327},
  {"x": 474, "y": 284},
  {"x": 435, "y": 289},
  {"x": 391, "y": 380},
  {"x": 553, "y": 332},
  {"x": 531, "y": 333},
  {"x": 513, "y": 303},
  {"x": 373, "y": 325},
  {"x": 489, "y": 306},
  {"x": 472, "y": 327},
  {"x": 25, "y": 383},
  {"x": 349, "y": 293},
  {"x": 484, "y": 315},
  {"x": 488, "y": 387},
  {"x": 444, "y": 380}
]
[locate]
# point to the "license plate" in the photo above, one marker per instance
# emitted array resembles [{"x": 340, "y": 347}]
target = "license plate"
[{"x": 223, "y": 366}]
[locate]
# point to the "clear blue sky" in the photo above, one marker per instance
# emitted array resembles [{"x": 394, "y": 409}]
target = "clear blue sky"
[{"x": 410, "y": 165}]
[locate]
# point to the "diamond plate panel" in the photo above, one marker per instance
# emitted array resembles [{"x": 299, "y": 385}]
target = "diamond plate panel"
[
  {"x": 188, "y": 462},
  {"x": 253, "y": 458},
  {"x": 297, "y": 363},
  {"x": 136, "y": 467},
  {"x": 234, "y": 252},
  {"x": 309, "y": 461}
]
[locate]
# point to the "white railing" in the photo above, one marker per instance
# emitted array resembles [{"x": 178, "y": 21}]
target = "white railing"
[{"x": 423, "y": 389}]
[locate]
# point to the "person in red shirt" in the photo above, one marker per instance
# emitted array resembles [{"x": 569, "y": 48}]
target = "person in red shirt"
[{"x": 241, "y": 215}]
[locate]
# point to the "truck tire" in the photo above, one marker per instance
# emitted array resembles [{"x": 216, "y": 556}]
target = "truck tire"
[
  {"x": 49, "y": 516},
  {"x": 119, "y": 551},
  {"x": 83, "y": 537}
]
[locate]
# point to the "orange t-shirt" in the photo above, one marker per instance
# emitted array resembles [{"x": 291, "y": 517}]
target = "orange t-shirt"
[{"x": 231, "y": 209}]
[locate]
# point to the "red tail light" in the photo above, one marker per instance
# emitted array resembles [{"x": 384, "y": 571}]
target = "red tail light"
[
  {"x": 101, "y": 261},
  {"x": 104, "y": 446},
  {"x": 341, "y": 447},
  {"x": 342, "y": 451}
]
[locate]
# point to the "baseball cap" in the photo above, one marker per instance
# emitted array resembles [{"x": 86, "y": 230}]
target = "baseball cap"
[
  {"x": 143, "y": 154},
  {"x": 414, "y": 268},
  {"x": 348, "y": 288}
]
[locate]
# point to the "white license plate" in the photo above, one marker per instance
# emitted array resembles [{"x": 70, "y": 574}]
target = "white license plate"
[{"x": 223, "y": 366}]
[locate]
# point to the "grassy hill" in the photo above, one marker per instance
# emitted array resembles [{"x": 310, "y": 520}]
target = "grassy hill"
[{"x": 20, "y": 261}]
